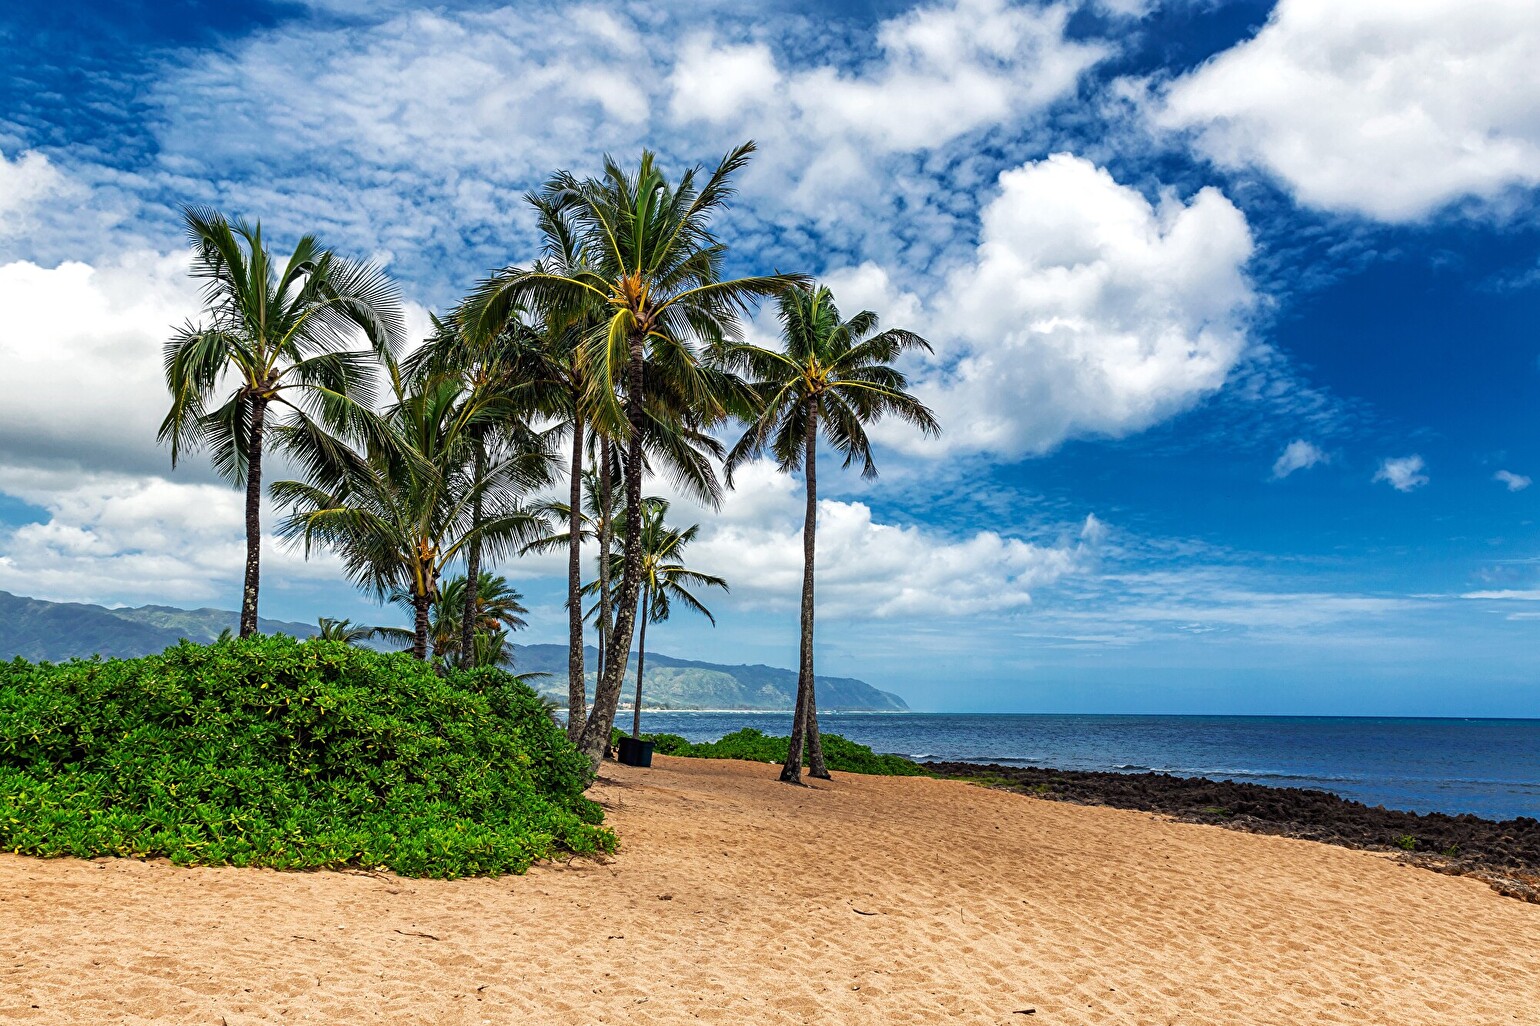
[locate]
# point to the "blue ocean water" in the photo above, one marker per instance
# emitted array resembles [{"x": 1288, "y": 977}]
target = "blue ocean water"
[{"x": 1487, "y": 767}]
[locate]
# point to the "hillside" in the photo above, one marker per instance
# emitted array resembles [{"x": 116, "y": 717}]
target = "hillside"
[
  {"x": 691, "y": 684},
  {"x": 37, "y": 630}
]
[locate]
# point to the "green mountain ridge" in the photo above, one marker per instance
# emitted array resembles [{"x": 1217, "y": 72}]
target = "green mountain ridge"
[{"x": 38, "y": 630}]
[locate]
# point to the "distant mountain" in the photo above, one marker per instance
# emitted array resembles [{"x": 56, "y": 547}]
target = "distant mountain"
[
  {"x": 671, "y": 683},
  {"x": 55, "y": 631},
  {"x": 38, "y": 630}
]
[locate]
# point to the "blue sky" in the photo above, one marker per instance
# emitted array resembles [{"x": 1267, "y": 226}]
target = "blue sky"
[{"x": 1236, "y": 310}]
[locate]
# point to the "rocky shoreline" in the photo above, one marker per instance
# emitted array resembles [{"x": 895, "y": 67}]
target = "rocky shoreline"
[{"x": 1506, "y": 855}]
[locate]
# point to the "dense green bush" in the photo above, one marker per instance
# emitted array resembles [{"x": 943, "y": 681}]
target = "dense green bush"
[
  {"x": 754, "y": 746},
  {"x": 275, "y": 752}
]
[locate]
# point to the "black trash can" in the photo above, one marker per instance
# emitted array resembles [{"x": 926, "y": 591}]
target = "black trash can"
[{"x": 635, "y": 752}]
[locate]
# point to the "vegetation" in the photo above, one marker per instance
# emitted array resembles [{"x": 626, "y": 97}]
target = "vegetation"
[
  {"x": 753, "y": 746},
  {"x": 649, "y": 255},
  {"x": 833, "y": 378},
  {"x": 277, "y": 752},
  {"x": 281, "y": 335}
]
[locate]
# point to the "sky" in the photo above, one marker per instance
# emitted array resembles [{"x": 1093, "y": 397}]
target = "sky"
[{"x": 1235, "y": 310}]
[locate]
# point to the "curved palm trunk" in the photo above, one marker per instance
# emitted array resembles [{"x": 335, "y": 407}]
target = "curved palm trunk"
[
  {"x": 641, "y": 657},
  {"x": 601, "y": 718},
  {"x": 577, "y": 702},
  {"x": 806, "y": 713},
  {"x": 421, "y": 604},
  {"x": 253, "y": 580},
  {"x": 472, "y": 611}
]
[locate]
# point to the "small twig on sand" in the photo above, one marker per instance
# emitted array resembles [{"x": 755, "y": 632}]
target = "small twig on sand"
[{"x": 414, "y": 933}]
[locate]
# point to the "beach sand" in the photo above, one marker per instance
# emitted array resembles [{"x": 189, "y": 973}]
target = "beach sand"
[{"x": 737, "y": 899}]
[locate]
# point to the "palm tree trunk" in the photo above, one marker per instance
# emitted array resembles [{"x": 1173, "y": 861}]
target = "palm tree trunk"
[
  {"x": 577, "y": 703},
  {"x": 253, "y": 580},
  {"x": 472, "y": 611},
  {"x": 791, "y": 773},
  {"x": 606, "y": 534},
  {"x": 420, "y": 606},
  {"x": 641, "y": 657},
  {"x": 601, "y": 718}
]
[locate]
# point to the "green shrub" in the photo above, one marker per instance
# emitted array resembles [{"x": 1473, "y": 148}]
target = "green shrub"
[
  {"x": 753, "y": 746},
  {"x": 275, "y": 752}
]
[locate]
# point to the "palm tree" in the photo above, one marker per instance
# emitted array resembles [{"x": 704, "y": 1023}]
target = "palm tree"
[
  {"x": 278, "y": 335},
  {"x": 345, "y": 631},
  {"x": 651, "y": 258},
  {"x": 664, "y": 580},
  {"x": 494, "y": 371},
  {"x": 402, "y": 510},
  {"x": 836, "y": 377}
]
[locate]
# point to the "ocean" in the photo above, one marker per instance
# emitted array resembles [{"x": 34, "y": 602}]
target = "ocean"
[{"x": 1487, "y": 767}]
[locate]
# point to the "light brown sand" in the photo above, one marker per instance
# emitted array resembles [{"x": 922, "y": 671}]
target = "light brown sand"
[{"x": 738, "y": 899}]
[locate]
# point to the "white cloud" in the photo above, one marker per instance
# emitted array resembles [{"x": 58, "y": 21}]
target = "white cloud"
[
  {"x": 868, "y": 569},
  {"x": 713, "y": 82},
  {"x": 1387, "y": 108},
  {"x": 1086, "y": 311},
  {"x": 1297, "y": 455},
  {"x": 137, "y": 537},
  {"x": 1510, "y": 595},
  {"x": 1514, "y": 482},
  {"x": 24, "y": 183},
  {"x": 1404, "y": 473},
  {"x": 81, "y": 347}
]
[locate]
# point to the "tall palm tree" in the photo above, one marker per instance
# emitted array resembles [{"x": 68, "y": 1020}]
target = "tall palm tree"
[
  {"x": 651, "y": 257},
  {"x": 274, "y": 335},
  {"x": 835, "y": 377},
  {"x": 664, "y": 580},
  {"x": 401, "y": 511}
]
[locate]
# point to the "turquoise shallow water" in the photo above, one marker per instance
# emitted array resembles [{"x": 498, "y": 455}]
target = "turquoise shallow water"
[{"x": 1487, "y": 767}]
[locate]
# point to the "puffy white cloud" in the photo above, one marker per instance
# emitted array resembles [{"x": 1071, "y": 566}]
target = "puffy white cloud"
[
  {"x": 1297, "y": 455},
  {"x": 868, "y": 569},
  {"x": 1403, "y": 473},
  {"x": 712, "y": 82},
  {"x": 1513, "y": 482},
  {"x": 1387, "y": 108},
  {"x": 25, "y": 182},
  {"x": 126, "y": 538},
  {"x": 1085, "y": 311},
  {"x": 81, "y": 346}
]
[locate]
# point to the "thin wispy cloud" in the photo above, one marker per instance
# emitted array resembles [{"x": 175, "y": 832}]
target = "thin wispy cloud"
[
  {"x": 1513, "y": 482},
  {"x": 1297, "y": 455}
]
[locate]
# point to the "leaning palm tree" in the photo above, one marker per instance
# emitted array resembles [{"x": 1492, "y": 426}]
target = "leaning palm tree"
[
  {"x": 272, "y": 336},
  {"x": 401, "y": 511},
  {"x": 833, "y": 377},
  {"x": 664, "y": 580},
  {"x": 652, "y": 259}
]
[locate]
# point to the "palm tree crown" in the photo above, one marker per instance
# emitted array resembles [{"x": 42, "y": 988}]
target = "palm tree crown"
[{"x": 278, "y": 335}]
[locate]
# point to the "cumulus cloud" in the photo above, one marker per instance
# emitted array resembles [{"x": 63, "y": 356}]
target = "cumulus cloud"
[
  {"x": 1513, "y": 482},
  {"x": 81, "y": 345},
  {"x": 1403, "y": 473},
  {"x": 24, "y": 183},
  {"x": 1085, "y": 311},
  {"x": 128, "y": 538},
  {"x": 872, "y": 570},
  {"x": 1297, "y": 455},
  {"x": 1377, "y": 107}
]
